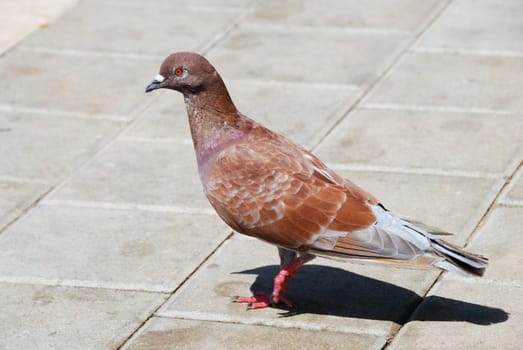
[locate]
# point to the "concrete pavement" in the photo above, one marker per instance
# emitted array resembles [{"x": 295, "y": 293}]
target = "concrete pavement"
[{"x": 107, "y": 242}]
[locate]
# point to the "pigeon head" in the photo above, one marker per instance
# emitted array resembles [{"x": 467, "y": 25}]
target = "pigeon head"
[{"x": 186, "y": 72}]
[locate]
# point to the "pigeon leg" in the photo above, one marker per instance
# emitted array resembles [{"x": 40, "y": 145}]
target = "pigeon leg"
[{"x": 261, "y": 300}]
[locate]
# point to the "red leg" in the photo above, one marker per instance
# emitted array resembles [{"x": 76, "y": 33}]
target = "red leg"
[{"x": 261, "y": 300}]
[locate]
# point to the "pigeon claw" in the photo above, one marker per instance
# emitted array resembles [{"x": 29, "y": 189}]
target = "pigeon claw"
[{"x": 262, "y": 300}]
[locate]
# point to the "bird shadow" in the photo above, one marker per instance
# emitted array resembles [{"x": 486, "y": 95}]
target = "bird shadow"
[{"x": 331, "y": 291}]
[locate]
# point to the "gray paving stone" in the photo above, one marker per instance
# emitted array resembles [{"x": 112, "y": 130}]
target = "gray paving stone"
[
  {"x": 15, "y": 197},
  {"x": 321, "y": 57},
  {"x": 464, "y": 81},
  {"x": 335, "y": 13},
  {"x": 138, "y": 29},
  {"x": 368, "y": 299},
  {"x": 491, "y": 25},
  {"x": 475, "y": 317},
  {"x": 448, "y": 141},
  {"x": 45, "y": 317},
  {"x": 48, "y": 147},
  {"x": 74, "y": 84},
  {"x": 20, "y": 18},
  {"x": 499, "y": 239},
  {"x": 146, "y": 173},
  {"x": 166, "y": 334},
  {"x": 299, "y": 111},
  {"x": 124, "y": 249},
  {"x": 453, "y": 203}
]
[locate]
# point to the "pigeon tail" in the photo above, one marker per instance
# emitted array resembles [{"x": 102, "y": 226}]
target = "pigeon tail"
[{"x": 457, "y": 260}]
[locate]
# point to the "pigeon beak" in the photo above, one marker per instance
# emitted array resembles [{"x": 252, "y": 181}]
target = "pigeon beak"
[{"x": 155, "y": 84}]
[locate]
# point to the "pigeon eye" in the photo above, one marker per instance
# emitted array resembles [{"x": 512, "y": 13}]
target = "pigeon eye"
[{"x": 178, "y": 71}]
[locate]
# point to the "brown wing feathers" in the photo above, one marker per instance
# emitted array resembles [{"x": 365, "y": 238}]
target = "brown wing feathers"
[{"x": 283, "y": 200}]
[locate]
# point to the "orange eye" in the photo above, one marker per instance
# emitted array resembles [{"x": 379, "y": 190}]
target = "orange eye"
[{"x": 178, "y": 72}]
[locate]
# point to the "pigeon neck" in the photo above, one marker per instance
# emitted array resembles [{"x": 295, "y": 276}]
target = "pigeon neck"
[{"x": 214, "y": 121}]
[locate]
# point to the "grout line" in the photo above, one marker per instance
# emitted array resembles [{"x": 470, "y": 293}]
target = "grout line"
[
  {"x": 25, "y": 210},
  {"x": 24, "y": 180},
  {"x": 90, "y": 53},
  {"x": 492, "y": 205},
  {"x": 61, "y": 113},
  {"x": 59, "y": 282},
  {"x": 465, "y": 52},
  {"x": 289, "y": 83},
  {"x": 511, "y": 203},
  {"x": 432, "y": 108},
  {"x": 323, "y": 29},
  {"x": 419, "y": 171},
  {"x": 182, "y": 141},
  {"x": 484, "y": 280},
  {"x": 180, "y": 285},
  {"x": 277, "y": 323},
  {"x": 128, "y": 206},
  {"x": 235, "y": 23}
]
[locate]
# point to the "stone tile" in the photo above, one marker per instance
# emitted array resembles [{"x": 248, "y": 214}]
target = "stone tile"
[
  {"x": 477, "y": 319},
  {"x": 48, "y": 147},
  {"x": 74, "y": 84},
  {"x": 465, "y": 81},
  {"x": 321, "y": 57},
  {"x": 125, "y": 249},
  {"x": 166, "y": 334},
  {"x": 15, "y": 197},
  {"x": 369, "y": 299},
  {"x": 134, "y": 29},
  {"x": 20, "y": 18},
  {"x": 515, "y": 189},
  {"x": 299, "y": 111},
  {"x": 146, "y": 173},
  {"x": 500, "y": 240},
  {"x": 352, "y": 13},
  {"x": 449, "y": 141},
  {"x": 455, "y": 204},
  {"x": 477, "y": 25},
  {"x": 45, "y": 317}
]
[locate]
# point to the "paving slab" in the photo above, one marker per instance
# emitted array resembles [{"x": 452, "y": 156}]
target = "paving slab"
[
  {"x": 47, "y": 317},
  {"x": 321, "y": 57},
  {"x": 137, "y": 29},
  {"x": 458, "y": 141},
  {"x": 479, "y": 25},
  {"x": 20, "y": 18},
  {"x": 139, "y": 173},
  {"x": 462, "y": 81},
  {"x": 162, "y": 333},
  {"x": 453, "y": 203},
  {"x": 33, "y": 148},
  {"x": 373, "y": 14},
  {"x": 299, "y": 111},
  {"x": 124, "y": 249},
  {"x": 78, "y": 85},
  {"x": 367, "y": 300},
  {"x": 500, "y": 239},
  {"x": 490, "y": 318},
  {"x": 16, "y": 197}
]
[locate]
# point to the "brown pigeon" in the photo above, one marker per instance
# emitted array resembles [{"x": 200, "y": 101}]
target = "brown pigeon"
[{"x": 265, "y": 186}]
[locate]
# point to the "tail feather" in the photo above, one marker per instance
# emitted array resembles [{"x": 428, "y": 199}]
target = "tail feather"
[{"x": 457, "y": 258}]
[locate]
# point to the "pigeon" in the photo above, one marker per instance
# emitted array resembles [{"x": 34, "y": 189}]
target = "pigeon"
[{"x": 265, "y": 186}]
